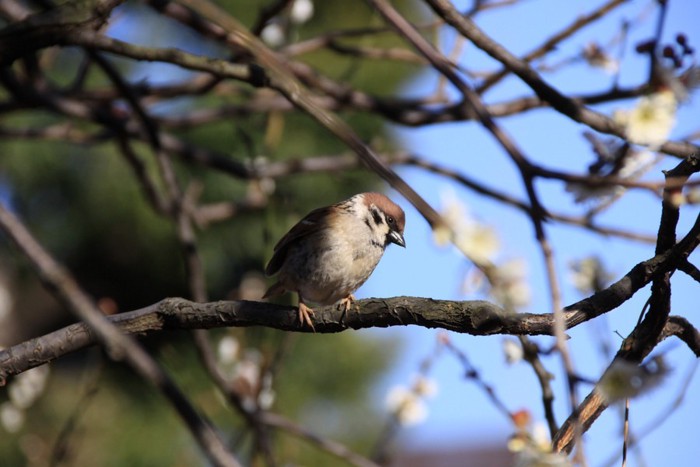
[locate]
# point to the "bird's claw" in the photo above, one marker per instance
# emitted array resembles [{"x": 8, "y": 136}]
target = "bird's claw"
[
  {"x": 305, "y": 314},
  {"x": 345, "y": 304}
]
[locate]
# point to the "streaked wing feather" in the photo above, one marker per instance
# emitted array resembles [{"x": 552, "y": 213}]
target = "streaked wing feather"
[{"x": 304, "y": 227}]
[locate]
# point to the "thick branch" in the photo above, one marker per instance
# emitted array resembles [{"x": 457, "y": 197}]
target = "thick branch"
[
  {"x": 475, "y": 317},
  {"x": 654, "y": 327},
  {"x": 50, "y": 27},
  {"x": 472, "y": 317},
  {"x": 682, "y": 328}
]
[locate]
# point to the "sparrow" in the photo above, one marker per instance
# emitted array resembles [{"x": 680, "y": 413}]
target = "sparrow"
[{"x": 332, "y": 251}]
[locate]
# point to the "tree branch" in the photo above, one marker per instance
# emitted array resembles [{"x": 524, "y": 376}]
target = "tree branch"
[
  {"x": 649, "y": 331},
  {"x": 472, "y": 317},
  {"x": 559, "y": 102},
  {"x": 118, "y": 345},
  {"x": 50, "y": 27},
  {"x": 682, "y": 328},
  {"x": 479, "y": 318}
]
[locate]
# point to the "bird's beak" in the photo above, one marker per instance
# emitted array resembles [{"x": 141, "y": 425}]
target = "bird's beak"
[{"x": 395, "y": 237}]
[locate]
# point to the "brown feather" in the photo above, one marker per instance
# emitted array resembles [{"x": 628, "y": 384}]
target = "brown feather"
[
  {"x": 311, "y": 223},
  {"x": 389, "y": 207},
  {"x": 275, "y": 289}
]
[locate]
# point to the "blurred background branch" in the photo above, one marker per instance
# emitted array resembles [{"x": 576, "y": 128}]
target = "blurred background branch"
[{"x": 160, "y": 148}]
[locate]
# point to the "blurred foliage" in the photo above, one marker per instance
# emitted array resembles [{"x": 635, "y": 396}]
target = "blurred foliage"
[
  {"x": 119, "y": 420},
  {"x": 85, "y": 206}
]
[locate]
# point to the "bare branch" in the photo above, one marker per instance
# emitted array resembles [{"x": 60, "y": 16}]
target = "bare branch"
[
  {"x": 118, "y": 345},
  {"x": 681, "y": 328},
  {"x": 553, "y": 41},
  {"x": 690, "y": 269},
  {"x": 646, "y": 335},
  {"x": 545, "y": 91},
  {"x": 50, "y": 27}
]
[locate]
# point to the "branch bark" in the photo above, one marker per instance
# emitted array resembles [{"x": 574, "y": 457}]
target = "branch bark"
[
  {"x": 655, "y": 325},
  {"x": 471, "y": 317}
]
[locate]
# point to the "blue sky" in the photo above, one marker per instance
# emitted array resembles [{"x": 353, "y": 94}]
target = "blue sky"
[{"x": 460, "y": 414}]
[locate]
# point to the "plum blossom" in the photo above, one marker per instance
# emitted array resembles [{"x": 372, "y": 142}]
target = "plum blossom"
[
  {"x": 11, "y": 418},
  {"x": 650, "y": 122},
  {"x": 227, "y": 350},
  {"x": 22, "y": 392},
  {"x": 588, "y": 275},
  {"x": 26, "y": 388},
  {"x": 302, "y": 11},
  {"x": 513, "y": 351},
  {"x": 531, "y": 444},
  {"x": 407, "y": 406},
  {"x": 425, "y": 387},
  {"x": 244, "y": 372},
  {"x": 273, "y": 35},
  {"x": 634, "y": 165},
  {"x": 476, "y": 240},
  {"x": 509, "y": 284}
]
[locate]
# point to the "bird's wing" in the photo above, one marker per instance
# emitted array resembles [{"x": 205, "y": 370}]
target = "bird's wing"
[{"x": 311, "y": 223}]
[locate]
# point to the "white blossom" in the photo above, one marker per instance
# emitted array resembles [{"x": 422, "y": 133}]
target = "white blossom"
[
  {"x": 650, "y": 122},
  {"x": 406, "y": 406},
  {"x": 588, "y": 275},
  {"x": 246, "y": 379},
  {"x": 532, "y": 446},
  {"x": 540, "y": 436},
  {"x": 509, "y": 286},
  {"x": 531, "y": 457},
  {"x": 681, "y": 85},
  {"x": 11, "y": 418},
  {"x": 425, "y": 387},
  {"x": 266, "y": 396},
  {"x": 634, "y": 165},
  {"x": 28, "y": 386},
  {"x": 474, "y": 281},
  {"x": 244, "y": 372},
  {"x": 228, "y": 350},
  {"x": 273, "y": 35},
  {"x": 476, "y": 240},
  {"x": 248, "y": 369},
  {"x": 302, "y": 11},
  {"x": 513, "y": 351}
]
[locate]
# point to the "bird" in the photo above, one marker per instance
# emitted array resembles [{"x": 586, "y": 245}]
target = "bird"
[{"x": 333, "y": 250}]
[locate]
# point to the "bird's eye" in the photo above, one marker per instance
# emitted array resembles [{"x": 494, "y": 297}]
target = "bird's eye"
[{"x": 390, "y": 220}]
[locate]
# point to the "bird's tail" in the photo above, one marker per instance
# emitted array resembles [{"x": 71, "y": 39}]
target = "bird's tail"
[{"x": 275, "y": 289}]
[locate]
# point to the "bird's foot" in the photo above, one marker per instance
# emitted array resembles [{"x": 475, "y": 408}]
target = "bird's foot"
[
  {"x": 305, "y": 314},
  {"x": 345, "y": 304}
]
